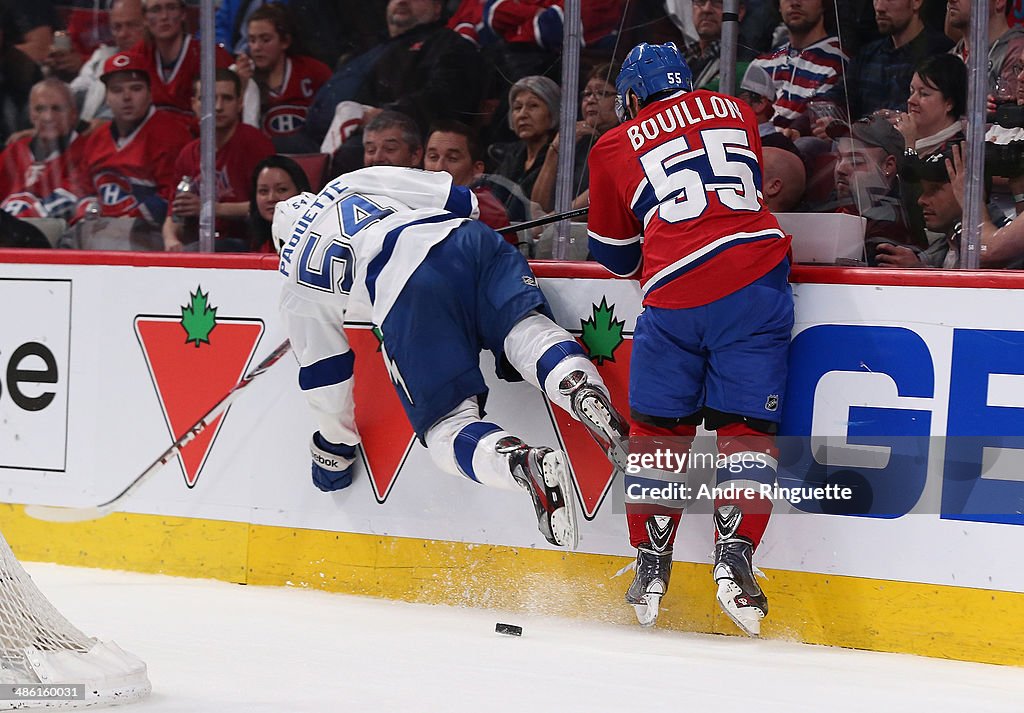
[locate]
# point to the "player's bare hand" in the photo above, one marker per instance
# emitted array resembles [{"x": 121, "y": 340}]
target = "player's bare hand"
[
  {"x": 892, "y": 255},
  {"x": 186, "y": 204}
]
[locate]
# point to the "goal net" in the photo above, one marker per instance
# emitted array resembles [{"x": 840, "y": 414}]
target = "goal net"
[{"x": 40, "y": 648}]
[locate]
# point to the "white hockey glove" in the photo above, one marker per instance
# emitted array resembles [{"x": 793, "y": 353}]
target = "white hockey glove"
[{"x": 332, "y": 463}]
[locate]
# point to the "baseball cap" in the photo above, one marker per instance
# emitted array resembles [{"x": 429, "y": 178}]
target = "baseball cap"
[
  {"x": 757, "y": 80},
  {"x": 878, "y": 132},
  {"x": 124, "y": 62},
  {"x": 931, "y": 167}
]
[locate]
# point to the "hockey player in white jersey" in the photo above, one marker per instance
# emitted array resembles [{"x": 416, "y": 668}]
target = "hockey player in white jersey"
[{"x": 442, "y": 286}]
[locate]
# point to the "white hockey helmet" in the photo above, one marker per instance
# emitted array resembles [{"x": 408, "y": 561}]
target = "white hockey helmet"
[{"x": 286, "y": 212}]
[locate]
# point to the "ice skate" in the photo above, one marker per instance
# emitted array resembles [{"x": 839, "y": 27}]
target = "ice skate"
[
  {"x": 544, "y": 474},
  {"x": 653, "y": 570},
  {"x": 739, "y": 594},
  {"x": 595, "y": 411}
]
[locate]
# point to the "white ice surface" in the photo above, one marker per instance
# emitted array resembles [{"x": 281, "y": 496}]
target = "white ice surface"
[{"x": 217, "y": 647}]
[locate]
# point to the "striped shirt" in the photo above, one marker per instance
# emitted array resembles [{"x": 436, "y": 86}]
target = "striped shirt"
[{"x": 814, "y": 72}]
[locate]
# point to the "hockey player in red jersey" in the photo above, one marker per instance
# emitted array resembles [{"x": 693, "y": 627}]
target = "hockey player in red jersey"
[
  {"x": 40, "y": 174},
  {"x": 130, "y": 159},
  {"x": 684, "y": 174}
]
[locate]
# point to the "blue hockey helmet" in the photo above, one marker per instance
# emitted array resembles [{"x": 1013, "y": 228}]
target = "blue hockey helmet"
[{"x": 649, "y": 69}]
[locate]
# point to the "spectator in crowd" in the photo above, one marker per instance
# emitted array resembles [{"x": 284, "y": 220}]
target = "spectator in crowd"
[
  {"x": 1006, "y": 44},
  {"x": 784, "y": 178},
  {"x": 452, "y": 147},
  {"x": 171, "y": 57},
  {"x": 287, "y": 79},
  {"x": 879, "y": 77},
  {"x": 703, "y": 55},
  {"x": 758, "y": 90},
  {"x": 1002, "y": 245},
  {"x": 942, "y": 215},
  {"x": 18, "y": 74},
  {"x": 330, "y": 30},
  {"x": 127, "y": 30},
  {"x": 276, "y": 178},
  {"x": 810, "y": 66},
  {"x": 938, "y": 99},
  {"x": 239, "y": 148},
  {"x": 130, "y": 159},
  {"x": 427, "y": 71},
  {"x": 868, "y": 185},
  {"x": 597, "y": 108},
  {"x": 533, "y": 117},
  {"x": 392, "y": 139},
  {"x": 39, "y": 173}
]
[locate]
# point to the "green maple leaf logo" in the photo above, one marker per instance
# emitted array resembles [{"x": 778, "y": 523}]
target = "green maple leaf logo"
[
  {"x": 198, "y": 318},
  {"x": 602, "y": 333}
]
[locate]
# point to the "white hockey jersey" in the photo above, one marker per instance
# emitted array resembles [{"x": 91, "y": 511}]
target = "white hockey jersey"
[{"x": 359, "y": 239}]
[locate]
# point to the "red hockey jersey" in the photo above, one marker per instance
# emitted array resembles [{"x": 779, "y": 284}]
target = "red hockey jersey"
[
  {"x": 236, "y": 162},
  {"x": 134, "y": 176},
  {"x": 284, "y": 110},
  {"x": 42, "y": 189},
  {"x": 686, "y": 176},
  {"x": 172, "y": 87}
]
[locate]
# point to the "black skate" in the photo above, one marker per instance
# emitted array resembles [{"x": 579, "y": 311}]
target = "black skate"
[
  {"x": 653, "y": 570},
  {"x": 739, "y": 594},
  {"x": 594, "y": 409},
  {"x": 544, "y": 474}
]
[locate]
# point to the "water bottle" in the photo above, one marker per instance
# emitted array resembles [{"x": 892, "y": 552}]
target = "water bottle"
[{"x": 185, "y": 185}]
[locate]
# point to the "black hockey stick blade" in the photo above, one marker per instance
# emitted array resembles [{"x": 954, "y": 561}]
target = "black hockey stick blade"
[
  {"x": 545, "y": 220},
  {"x": 57, "y": 513}
]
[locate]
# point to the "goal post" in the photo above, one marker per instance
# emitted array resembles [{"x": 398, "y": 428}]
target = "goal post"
[{"x": 41, "y": 649}]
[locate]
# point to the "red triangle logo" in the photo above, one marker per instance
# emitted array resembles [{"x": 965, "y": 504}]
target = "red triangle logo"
[
  {"x": 191, "y": 376},
  {"x": 591, "y": 469},
  {"x": 387, "y": 438}
]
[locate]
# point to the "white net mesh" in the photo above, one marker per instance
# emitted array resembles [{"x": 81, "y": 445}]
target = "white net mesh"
[{"x": 39, "y": 646}]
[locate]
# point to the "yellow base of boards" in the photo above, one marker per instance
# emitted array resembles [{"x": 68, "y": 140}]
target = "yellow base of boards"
[{"x": 928, "y": 620}]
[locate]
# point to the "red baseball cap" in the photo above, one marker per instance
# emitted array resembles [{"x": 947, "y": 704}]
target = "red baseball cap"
[{"x": 124, "y": 62}]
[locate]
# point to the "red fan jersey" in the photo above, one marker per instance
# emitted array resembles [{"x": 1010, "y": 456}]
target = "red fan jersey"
[
  {"x": 49, "y": 188},
  {"x": 172, "y": 85},
  {"x": 686, "y": 176},
  {"x": 236, "y": 162},
  {"x": 284, "y": 110},
  {"x": 134, "y": 175}
]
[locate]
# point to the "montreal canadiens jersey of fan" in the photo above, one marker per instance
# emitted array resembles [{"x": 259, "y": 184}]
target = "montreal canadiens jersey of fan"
[
  {"x": 41, "y": 189},
  {"x": 360, "y": 239},
  {"x": 676, "y": 191},
  {"x": 285, "y": 110}
]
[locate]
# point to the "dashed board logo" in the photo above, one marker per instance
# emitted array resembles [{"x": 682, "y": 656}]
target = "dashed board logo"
[{"x": 194, "y": 358}]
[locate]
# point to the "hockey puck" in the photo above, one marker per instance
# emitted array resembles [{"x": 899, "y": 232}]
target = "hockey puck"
[{"x": 508, "y": 629}]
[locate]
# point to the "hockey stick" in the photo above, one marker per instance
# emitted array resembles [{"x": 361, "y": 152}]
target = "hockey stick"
[
  {"x": 56, "y": 513},
  {"x": 553, "y": 218}
]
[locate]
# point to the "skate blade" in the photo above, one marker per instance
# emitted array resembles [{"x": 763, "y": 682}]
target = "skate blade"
[
  {"x": 601, "y": 420},
  {"x": 564, "y": 520},
  {"x": 647, "y": 613},
  {"x": 748, "y": 619}
]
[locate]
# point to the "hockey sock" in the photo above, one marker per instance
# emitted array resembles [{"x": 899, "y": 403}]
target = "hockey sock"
[
  {"x": 645, "y": 439},
  {"x": 461, "y": 444},
  {"x": 752, "y": 462}
]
